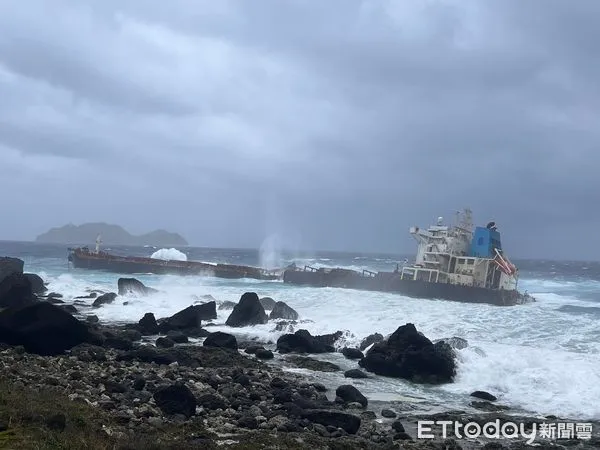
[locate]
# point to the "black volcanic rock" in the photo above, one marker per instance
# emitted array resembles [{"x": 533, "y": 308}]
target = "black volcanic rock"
[
  {"x": 267, "y": 302},
  {"x": 222, "y": 340},
  {"x": 104, "y": 299},
  {"x": 349, "y": 394},
  {"x": 410, "y": 355},
  {"x": 38, "y": 286},
  {"x": 16, "y": 291},
  {"x": 9, "y": 265},
  {"x": 147, "y": 324},
  {"x": 176, "y": 399},
  {"x": 128, "y": 286},
  {"x": 248, "y": 311},
  {"x": 42, "y": 328},
  {"x": 190, "y": 317},
  {"x": 303, "y": 342},
  {"x": 282, "y": 311}
]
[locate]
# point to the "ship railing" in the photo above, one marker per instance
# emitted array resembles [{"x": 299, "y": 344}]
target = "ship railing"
[
  {"x": 369, "y": 273},
  {"x": 310, "y": 269}
]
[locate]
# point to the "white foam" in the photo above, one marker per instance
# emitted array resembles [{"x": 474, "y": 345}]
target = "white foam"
[
  {"x": 169, "y": 254},
  {"x": 536, "y": 356}
]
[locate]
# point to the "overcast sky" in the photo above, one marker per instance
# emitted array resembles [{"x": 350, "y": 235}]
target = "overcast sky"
[{"x": 331, "y": 124}]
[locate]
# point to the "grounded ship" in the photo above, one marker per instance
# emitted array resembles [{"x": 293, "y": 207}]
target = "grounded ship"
[
  {"x": 84, "y": 258},
  {"x": 456, "y": 263}
]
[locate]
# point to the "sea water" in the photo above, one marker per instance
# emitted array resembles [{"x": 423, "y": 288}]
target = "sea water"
[{"x": 540, "y": 358}]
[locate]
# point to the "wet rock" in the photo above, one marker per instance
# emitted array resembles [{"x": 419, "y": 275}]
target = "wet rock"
[
  {"x": 176, "y": 399},
  {"x": 349, "y": 394},
  {"x": 484, "y": 396},
  {"x": 347, "y": 422},
  {"x": 189, "y": 318},
  {"x": 352, "y": 353},
  {"x": 38, "y": 286},
  {"x": 388, "y": 414},
  {"x": 302, "y": 342},
  {"x": 42, "y": 328},
  {"x": 371, "y": 339},
  {"x": 68, "y": 308},
  {"x": 104, "y": 299},
  {"x": 15, "y": 289},
  {"x": 128, "y": 286},
  {"x": 92, "y": 319},
  {"x": 252, "y": 349},
  {"x": 10, "y": 266},
  {"x": 454, "y": 342},
  {"x": 487, "y": 406},
  {"x": 147, "y": 324},
  {"x": 410, "y": 355},
  {"x": 262, "y": 353},
  {"x": 267, "y": 303},
  {"x": 164, "y": 342},
  {"x": 222, "y": 340},
  {"x": 282, "y": 311},
  {"x": 355, "y": 373},
  {"x": 247, "y": 312},
  {"x": 178, "y": 337},
  {"x": 312, "y": 364}
]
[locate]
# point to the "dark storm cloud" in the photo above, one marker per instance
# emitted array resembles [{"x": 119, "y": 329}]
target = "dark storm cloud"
[{"x": 334, "y": 124}]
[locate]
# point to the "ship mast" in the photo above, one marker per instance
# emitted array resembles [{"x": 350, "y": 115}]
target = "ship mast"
[{"x": 98, "y": 242}]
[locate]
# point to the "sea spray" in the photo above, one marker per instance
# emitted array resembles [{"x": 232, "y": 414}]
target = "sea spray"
[{"x": 170, "y": 254}]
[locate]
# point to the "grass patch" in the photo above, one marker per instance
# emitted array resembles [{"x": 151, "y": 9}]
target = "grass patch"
[{"x": 50, "y": 420}]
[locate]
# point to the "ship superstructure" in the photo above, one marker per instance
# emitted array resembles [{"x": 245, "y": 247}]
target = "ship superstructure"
[{"x": 461, "y": 255}]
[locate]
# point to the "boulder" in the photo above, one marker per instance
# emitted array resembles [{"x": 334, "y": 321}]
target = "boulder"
[
  {"x": 337, "y": 419},
  {"x": 190, "y": 317},
  {"x": 227, "y": 305},
  {"x": 349, "y": 394},
  {"x": 176, "y": 399},
  {"x": 302, "y": 342},
  {"x": 247, "y": 312},
  {"x": 42, "y": 328},
  {"x": 104, "y": 299},
  {"x": 352, "y": 353},
  {"x": 484, "y": 396},
  {"x": 38, "y": 286},
  {"x": 16, "y": 291},
  {"x": 410, "y": 355},
  {"x": 371, "y": 339},
  {"x": 267, "y": 302},
  {"x": 222, "y": 340},
  {"x": 127, "y": 286},
  {"x": 9, "y": 266},
  {"x": 282, "y": 311},
  {"x": 147, "y": 324},
  {"x": 455, "y": 342},
  {"x": 355, "y": 373}
]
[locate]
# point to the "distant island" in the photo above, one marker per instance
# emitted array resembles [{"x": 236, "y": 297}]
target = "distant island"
[{"x": 87, "y": 233}]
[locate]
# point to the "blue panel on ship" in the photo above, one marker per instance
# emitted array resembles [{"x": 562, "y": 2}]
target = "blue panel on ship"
[{"x": 484, "y": 242}]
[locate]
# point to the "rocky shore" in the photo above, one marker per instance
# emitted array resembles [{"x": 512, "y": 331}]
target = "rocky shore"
[{"x": 69, "y": 381}]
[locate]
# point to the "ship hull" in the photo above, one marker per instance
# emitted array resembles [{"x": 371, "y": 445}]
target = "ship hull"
[
  {"x": 392, "y": 283},
  {"x": 135, "y": 265}
]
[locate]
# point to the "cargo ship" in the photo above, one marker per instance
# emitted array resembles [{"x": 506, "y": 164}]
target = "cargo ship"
[
  {"x": 458, "y": 263},
  {"x": 84, "y": 258}
]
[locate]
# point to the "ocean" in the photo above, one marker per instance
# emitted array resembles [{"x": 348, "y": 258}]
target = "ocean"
[{"x": 541, "y": 358}]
